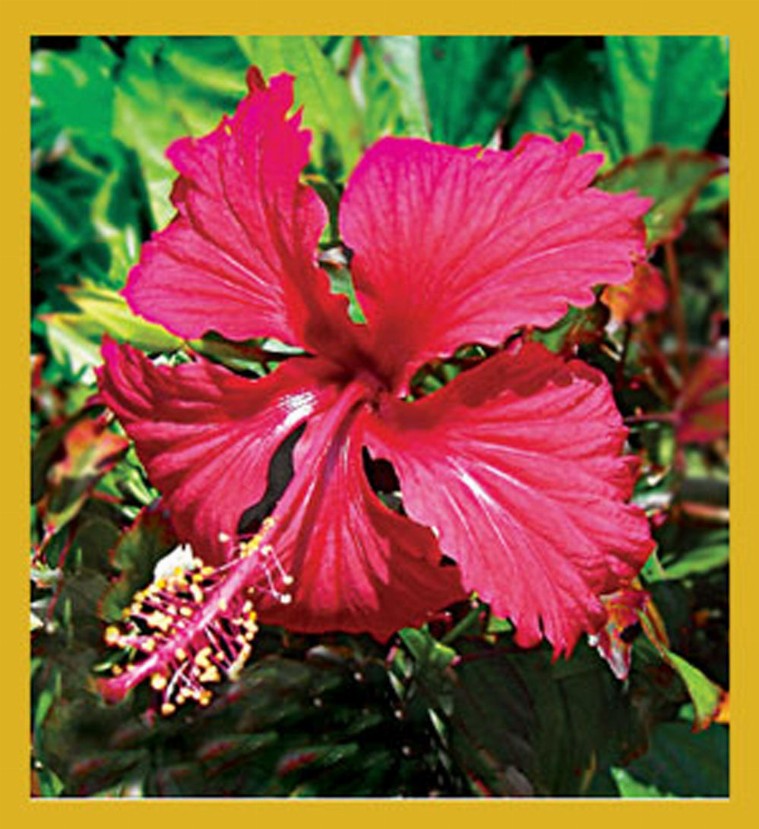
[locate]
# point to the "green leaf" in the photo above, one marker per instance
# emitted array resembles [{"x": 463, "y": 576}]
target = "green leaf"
[
  {"x": 72, "y": 92},
  {"x": 74, "y": 344},
  {"x": 492, "y": 726},
  {"x": 638, "y": 92},
  {"x": 393, "y": 72},
  {"x": 470, "y": 84},
  {"x": 87, "y": 217},
  {"x": 578, "y": 326},
  {"x": 328, "y": 107},
  {"x": 668, "y": 90},
  {"x": 169, "y": 88},
  {"x": 565, "y": 97},
  {"x": 114, "y": 317},
  {"x": 674, "y": 179},
  {"x": 428, "y": 652},
  {"x": 713, "y": 551},
  {"x": 338, "y": 48},
  {"x": 75, "y": 337},
  {"x": 683, "y": 763},
  {"x": 704, "y": 693},
  {"x": 630, "y": 787},
  {"x": 49, "y": 782}
]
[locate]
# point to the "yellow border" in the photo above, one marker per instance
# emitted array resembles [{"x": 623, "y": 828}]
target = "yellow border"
[{"x": 21, "y": 19}]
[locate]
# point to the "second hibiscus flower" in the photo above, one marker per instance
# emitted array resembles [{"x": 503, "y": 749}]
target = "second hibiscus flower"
[{"x": 512, "y": 477}]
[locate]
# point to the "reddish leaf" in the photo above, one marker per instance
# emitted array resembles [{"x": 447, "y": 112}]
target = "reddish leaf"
[
  {"x": 615, "y": 639},
  {"x": 644, "y": 294},
  {"x": 673, "y": 178},
  {"x": 90, "y": 449},
  {"x": 703, "y": 409}
]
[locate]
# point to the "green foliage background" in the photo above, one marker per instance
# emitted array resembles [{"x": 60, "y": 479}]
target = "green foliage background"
[{"x": 453, "y": 709}]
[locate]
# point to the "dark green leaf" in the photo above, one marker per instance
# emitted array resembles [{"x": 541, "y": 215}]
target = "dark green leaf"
[
  {"x": 135, "y": 555},
  {"x": 565, "y": 98},
  {"x": 712, "y": 552},
  {"x": 492, "y": 726},
  {"x": 684, "y": 763}
]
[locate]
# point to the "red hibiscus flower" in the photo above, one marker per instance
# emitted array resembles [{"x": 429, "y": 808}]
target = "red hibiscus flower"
[{"x": 512, "y": 479}]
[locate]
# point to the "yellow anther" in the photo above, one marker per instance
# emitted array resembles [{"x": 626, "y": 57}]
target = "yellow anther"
[
  {"x": 112, "y": 635},
  {"x": 167, "y": 709},
  {"x": 180, "y": 654},
  {"x": 223, "y": 605},
  {"x": 148, "y": 646},
  {"x": 237, "y": 665},
  {"x": 117, "y": 670},
  {"x": 268, "y": 523},
  {"x": 158, "y": 682},
  {"x": 210, "y": 675},
  {"x": 207, "y": 571},
  {"x": 159, "y": 620},
  {"x": 197, "y": 593},
  {"x": 185, "y": 611}
]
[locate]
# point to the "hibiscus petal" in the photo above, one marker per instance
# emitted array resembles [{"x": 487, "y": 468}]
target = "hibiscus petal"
[
  {"x": 205, "y": 435},
  {"x": 357, "y": 565},
  {"x": 239, "y": 258},
  {"x": 457, "y": 246},
  {"x": 516, "y": 464},
  {"x": 353, "y": 565}
]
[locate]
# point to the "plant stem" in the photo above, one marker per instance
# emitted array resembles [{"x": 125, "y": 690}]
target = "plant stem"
[
  {"x": 652, "y": 417},
  {"x": 678, "y": 317}
]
